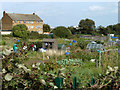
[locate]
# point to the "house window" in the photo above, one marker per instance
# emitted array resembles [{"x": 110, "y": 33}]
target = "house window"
[
  {"x": 28, "y": 21},
  {"x": 32, "y": 26},
  {"x": 39, "y": 21},
  {"x": 39, "y": 26},
  {"x": 19, "y": 21},
  {"x": 35, "y": 21},
  {"x": 24, "y": 21},
  {"x": 35, "y": 26},
  {"x": 15, "y": 21},
  {"x": 31, "y": 21},
  {"x": 39, "y": 31}
]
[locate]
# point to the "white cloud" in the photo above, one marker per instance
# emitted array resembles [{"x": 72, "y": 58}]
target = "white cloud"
[{"x": 96, "y": 8}]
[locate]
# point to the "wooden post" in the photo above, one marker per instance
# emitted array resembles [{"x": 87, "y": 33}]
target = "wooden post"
[{"x": 99, "y": 58}]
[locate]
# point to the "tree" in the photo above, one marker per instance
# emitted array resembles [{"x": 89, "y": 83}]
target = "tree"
[
  {"x": 20, "y": 30},
  {"x": 86, "y": 26},
  {"x": 62, "y": 32},
  {"x": 46, "y": 28},
  {"x": 72, "y": 29},
  {"x": 34, "y": 35},
  {"x": 116, "y": 28},
  {"x": 102, "y": 30}
]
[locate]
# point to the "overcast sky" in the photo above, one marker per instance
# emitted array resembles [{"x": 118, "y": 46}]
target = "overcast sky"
[{"x": 66, "y": 13}]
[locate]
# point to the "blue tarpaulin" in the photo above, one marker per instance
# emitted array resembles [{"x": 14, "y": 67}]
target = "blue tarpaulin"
[
  {"x": 67, "y": 53},
  {"x": 114, "y": 37}
]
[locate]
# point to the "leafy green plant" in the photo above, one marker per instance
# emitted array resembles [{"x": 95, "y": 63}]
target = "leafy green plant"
[{"x": 4, "y": 42}]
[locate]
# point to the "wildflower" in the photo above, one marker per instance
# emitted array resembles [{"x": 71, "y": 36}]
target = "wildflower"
[
  {"x": 8, "y": 77},
  {"x": 43, "y": 81},
  {"x": 55, "y": 87},
  {"x": 62, "y": 69},
  {"x": 110, "y": 68},
  {"x": 51, "y": 84},
  {"x": 33, "y": 65},
  {"x": 116, "y": 68},
  {"x": 4, "y": 71}
]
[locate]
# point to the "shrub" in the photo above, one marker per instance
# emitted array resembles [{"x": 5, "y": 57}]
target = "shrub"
[
  {"x": 46, "y": 28},
  {"x": 20, "y": 30},
  {"x": 4, "y": 43},
  {"x": 34, "y": 35},
  {"x": 82, "y": 44},
  {"x": 41, "y": 36},
  {"x": 62, "y": 32}
]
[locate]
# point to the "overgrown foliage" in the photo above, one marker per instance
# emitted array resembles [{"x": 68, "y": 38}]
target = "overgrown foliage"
[
  {"x": 62, "y": 32},
  {"x": 46, "y": 28},
  {"x": 20, "y": 30}
]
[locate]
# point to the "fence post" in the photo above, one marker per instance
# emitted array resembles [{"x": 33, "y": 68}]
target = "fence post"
[
  {"x": 58, "y": 82},
  {"x": 74, "y": 82},
  {"x": 99, "y": 57},
  {"x": 92, "y": 81}
]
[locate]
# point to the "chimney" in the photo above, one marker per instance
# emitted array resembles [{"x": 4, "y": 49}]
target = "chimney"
[
  {"x": 33, "y": 13},
  {"x": 3, "y": 13}
]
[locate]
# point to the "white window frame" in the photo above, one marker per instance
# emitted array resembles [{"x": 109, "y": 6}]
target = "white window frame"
[
  {"x": 39, "y": 26},
  {"x": 32, "y": 27},
  {"x": 31, "y": 21}
]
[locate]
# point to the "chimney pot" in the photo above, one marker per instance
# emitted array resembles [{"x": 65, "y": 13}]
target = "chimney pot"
[
  {"x": 33, "y": 13},
  {"x": 3, "y": 13}
]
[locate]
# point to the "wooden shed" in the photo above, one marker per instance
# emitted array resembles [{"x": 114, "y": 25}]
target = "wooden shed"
[{"x": 50, "y": 44}]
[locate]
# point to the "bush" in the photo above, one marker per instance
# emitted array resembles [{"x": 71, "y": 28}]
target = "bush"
[
  {"x": 4, "y": 43},
  {"x": 41, "y": 36},
  {"x": 20, "y": 30},
  {"x": 46, "y": 28},
  {"x": 82, "y": 44},
  {"x": 34, "y": 35},
  {"x": 62, "y": 32},
  {"x": 7, "y": 35}
]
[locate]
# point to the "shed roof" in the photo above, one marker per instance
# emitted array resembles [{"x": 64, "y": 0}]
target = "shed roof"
[
  {"x": 49, "y": 40},
  {"x": 15, "y": 16}
]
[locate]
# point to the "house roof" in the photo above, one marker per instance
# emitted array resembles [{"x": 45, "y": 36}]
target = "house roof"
[{"x": 33, "y": 17}]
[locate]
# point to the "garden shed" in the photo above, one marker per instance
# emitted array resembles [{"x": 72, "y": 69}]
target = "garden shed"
[
  {"x": 93, "y": 46},
  {"x": 50, "y": 44}
]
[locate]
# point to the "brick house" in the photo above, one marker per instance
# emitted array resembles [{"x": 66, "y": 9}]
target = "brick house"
[{"x": 32, "y": 21}]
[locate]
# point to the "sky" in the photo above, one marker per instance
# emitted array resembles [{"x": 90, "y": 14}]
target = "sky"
[{"x": 66, "y": 13}]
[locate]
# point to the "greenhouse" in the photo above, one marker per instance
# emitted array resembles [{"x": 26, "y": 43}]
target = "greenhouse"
[{"x": 93, "y": 46}]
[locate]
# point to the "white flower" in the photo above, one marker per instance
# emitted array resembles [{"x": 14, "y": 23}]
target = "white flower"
[
  {"x": 22, "y": 66},
  {"x": 92, "y": 60},
  {"x": 62, "y": 74},
  {"x": 116, "y": 68},
  {"x": 38, "y": 68},
  {"x": 4, "y": 71},
  {"x": 33, "y": 65},
  {"x": 55, "y": 87},
  {"x": 38, "y": 64},
  {"x": 107, "y": 72},
  {"x": 45, "y": 72},
  {"x": 110, "y": 68},
  {"x": 43, "y": 81},
  {"x": 8, "y": 77},
  {"x": 11, "y": 59},
  {"x": 51, "y": 84},
  {"x": 62, "y": 69}
]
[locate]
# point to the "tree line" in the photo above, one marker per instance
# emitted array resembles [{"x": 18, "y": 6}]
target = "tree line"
[{"x": 85, "y": 26}]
